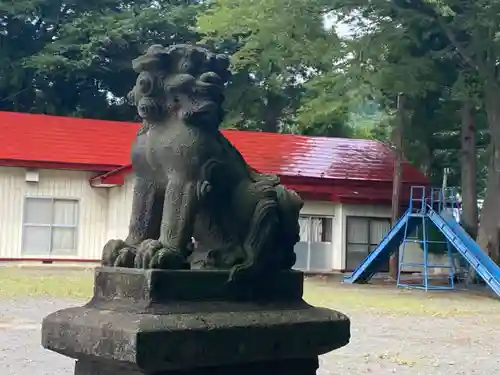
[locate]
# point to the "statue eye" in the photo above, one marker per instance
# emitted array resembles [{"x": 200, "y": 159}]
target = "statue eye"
[
  {"x": 145, "y": 84},
  {"x": 211, "y": 77}
]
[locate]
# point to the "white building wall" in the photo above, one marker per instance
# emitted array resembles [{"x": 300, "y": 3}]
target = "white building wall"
[
  {"x": 92, "y": 212},
  {"x": 120, "y": 209}
]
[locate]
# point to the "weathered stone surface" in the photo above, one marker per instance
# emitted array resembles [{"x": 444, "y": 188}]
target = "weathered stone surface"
[
  {"x": 133, "y": 321},
  {"x": 156, "y": 287},
  {"x": 178, "y": 341},
  {"x": 191, "y": 182}
]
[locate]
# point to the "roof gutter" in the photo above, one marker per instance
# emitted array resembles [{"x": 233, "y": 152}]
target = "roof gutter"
[
  {"x": 56, "y": 165},
  {"x": 110, "y": 179}
]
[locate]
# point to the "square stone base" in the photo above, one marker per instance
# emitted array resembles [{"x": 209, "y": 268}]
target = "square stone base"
[
  {"x": 306, "y": 366},
  {"x": 193, "y": 323}
]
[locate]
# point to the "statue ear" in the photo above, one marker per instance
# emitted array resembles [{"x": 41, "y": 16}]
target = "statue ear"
[
  {"x": 156, "y": 58},
  {"x": 130, "y": 98},
  {"x": 155, "y": 49}
]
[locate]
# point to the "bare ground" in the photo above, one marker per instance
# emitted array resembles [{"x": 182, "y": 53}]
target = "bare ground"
[
  {"x": 393, "y": 331},
  {"x": 413, "y": 332}
]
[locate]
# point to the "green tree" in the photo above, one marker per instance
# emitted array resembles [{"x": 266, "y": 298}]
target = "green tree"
[
  {"x": 399, "y": 50},
  {"x": 324, "y": 107},
  {"x": 279, "y": 45},
  {"x": 472, "y": 30},
  {"x": 68, "y": 58},
  {"x": 394, "y": 50}
]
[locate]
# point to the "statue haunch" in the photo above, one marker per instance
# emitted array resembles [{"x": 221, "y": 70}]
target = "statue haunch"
[{"x": 192, "y": 182}]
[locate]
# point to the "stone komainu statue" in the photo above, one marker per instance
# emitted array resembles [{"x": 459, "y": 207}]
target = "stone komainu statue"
[{"x": 192, "y": 182}]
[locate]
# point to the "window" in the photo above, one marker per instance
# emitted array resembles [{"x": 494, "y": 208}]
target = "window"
[
  {"x": 314, "y": 251},
  {"x": 363, "y": 235},
  {"x": 49, "y": 226}
]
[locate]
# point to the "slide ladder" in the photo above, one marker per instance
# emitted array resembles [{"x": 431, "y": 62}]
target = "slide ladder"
[{"x": 425, "y": 266}]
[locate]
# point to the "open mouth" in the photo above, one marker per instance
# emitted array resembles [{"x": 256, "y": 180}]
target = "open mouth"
[{"x": 147, "y": 107}]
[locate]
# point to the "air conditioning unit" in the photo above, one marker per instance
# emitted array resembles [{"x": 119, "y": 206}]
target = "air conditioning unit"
[{"x": 32, "y": 175}]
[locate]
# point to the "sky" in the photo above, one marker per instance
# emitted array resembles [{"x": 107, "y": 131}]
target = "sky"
[{"x": 343, "y": 29}]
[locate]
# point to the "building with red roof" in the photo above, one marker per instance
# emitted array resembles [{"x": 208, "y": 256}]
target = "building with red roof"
[{"x": 66, "y": 187}]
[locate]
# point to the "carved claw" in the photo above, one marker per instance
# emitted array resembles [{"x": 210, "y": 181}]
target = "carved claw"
[
  {"x": 145, "y": 252},
  {"x": 125, "y": 258},
  {"x": 111, "y": 251},
  {"x": 117, "y": 253},
  {"x": 168, "y": 259},
  {"x": 152, "y": 254},
  {"x": 203, "y": 188}
]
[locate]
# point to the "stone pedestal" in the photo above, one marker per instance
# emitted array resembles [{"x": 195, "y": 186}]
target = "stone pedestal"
[{"x": 192, "y": 322}]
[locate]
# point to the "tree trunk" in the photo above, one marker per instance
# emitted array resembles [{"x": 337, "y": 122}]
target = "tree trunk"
[
  {"x": 397, "y": 139},
  {"x": 489, "y": 227},
  {"x": 270, "y": 122},
  {"x": 468, "y": 166},
  {"x": 425, "y": 164},
  {"x": 272, "y": 113},
  {"x": 488, "y": 231}
]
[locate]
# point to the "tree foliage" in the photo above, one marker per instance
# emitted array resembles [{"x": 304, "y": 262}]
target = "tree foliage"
[
  {"x": 273, "y": 56},
  {"x": 72, "y": 58}
]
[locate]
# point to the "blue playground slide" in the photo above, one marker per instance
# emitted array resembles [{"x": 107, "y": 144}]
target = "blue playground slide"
[
  {"x": 468, "y": 248},
  {"x": 453, "y": 232},
  {"x": 384, "y": 250}
]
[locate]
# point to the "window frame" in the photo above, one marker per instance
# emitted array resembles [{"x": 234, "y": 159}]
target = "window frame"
[
  {"x": 308, "y": 242},
  {"x": 309, "y": 217},
  {"x": 52, "y": 199},
  {"x": 369, "y": 219}
]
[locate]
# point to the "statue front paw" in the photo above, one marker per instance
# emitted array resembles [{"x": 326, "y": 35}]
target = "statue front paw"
[
  {"x": 168, "y": 259},
  {"x": 117, "y": 253},
  {"x": 152, "y": 254}
]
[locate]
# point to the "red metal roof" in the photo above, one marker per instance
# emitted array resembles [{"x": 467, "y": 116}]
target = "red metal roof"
[
  {"x": 105, "y": 145},
  {"x": 319, "y": 157},
  {"x": 78, "y": 143}
]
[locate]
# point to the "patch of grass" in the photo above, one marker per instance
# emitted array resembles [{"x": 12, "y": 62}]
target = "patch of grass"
[
  {"x": 64, "y": 284},
  {"x": 351, "y": 299},
  {"x": 386, "y": 300}
]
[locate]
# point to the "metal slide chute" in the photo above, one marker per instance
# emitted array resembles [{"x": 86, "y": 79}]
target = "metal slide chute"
[{"x": 468, "y": 248}]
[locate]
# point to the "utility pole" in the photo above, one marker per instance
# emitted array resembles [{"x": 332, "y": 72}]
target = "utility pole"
[
  {"x": 397, "y": 140},
  {"x": 446, "y": 172}
]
